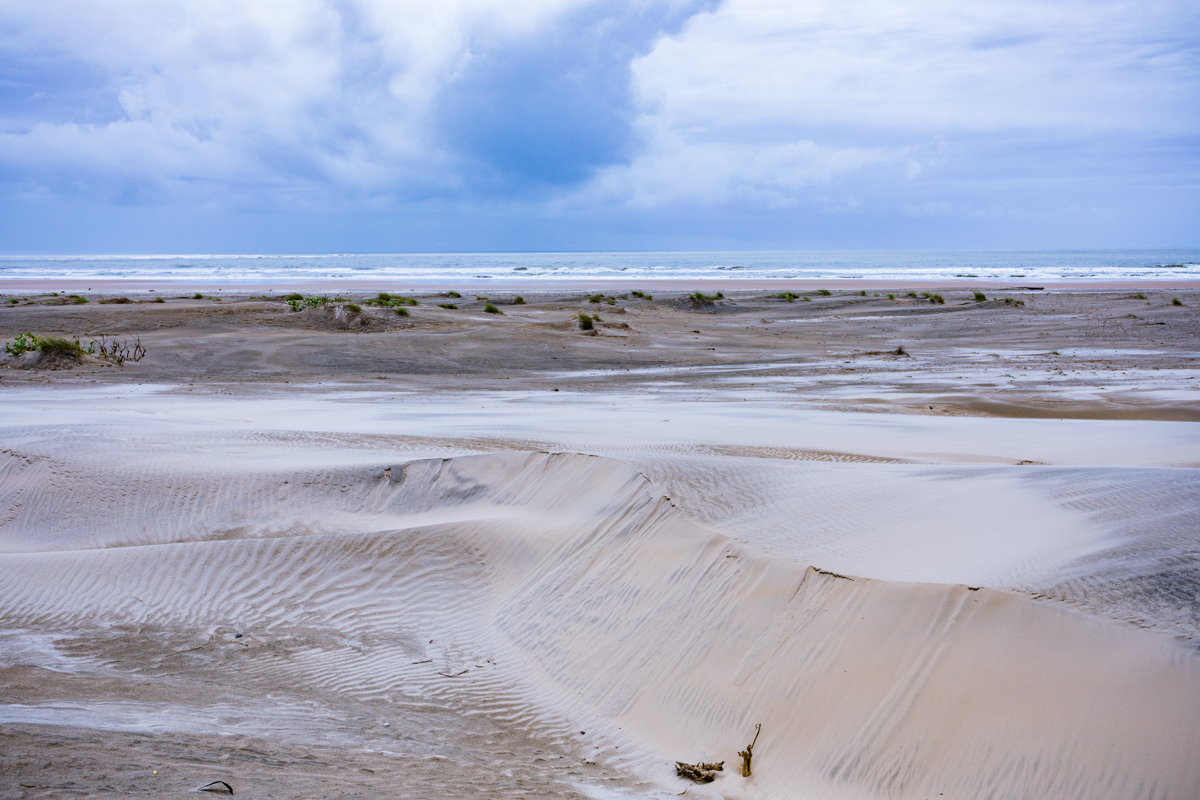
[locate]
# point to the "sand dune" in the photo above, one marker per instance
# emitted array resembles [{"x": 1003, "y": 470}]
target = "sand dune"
[{"x": 559, "y": 593}]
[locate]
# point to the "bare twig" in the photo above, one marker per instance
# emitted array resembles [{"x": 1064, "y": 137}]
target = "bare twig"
[{"x": 748, "y": 753}]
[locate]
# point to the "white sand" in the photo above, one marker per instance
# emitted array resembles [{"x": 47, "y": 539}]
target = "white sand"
[{"x": 411, "y": 558}]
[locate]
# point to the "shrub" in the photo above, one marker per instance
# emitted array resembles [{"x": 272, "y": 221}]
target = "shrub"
[
  {"x": 518, "y": 301},
  {"x": 313, "y": 302},
  {"x": 910, "y": 294},
  {"x": 491, "y": 309},
  {"x": 980, "y": 297},
  {"x": 159, "y": 300},
  {"x": 401, "y": 312},
  {"x": 596, "y": 298},
  {"x": 77, "y": 300},
  {"x": 937, "y": 298},
  {"x": 1175, "y": 301},
  {"x": 824, "y": 292},
  {"x": 891, "y": 297},
  {"x": 447, "y": 305},
  {"x": 58, "y": 346},
  {"x": 787, "y": 296},
  {"x": 118, "y": 350},
  {"x": 22, "y": 344},
  {"x": 637, "y": 293},
  {"x": 585, "y": 322},
  {"x": 453, "y": 294},
  {"x": 13, "y": 300},
  {"x": 357, "y": 309},
  {"x": 900, "y": 351},
  {"x": 1138, "y": 296},
  {"x": 197, "y": 296},
  {"x": 862, "y": 293},
  {"x": 294, "y": 296},
  {"x": 295, "y": 303}
]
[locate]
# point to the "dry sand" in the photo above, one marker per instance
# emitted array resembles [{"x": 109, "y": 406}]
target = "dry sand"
[{"x": 476, "y": 554}]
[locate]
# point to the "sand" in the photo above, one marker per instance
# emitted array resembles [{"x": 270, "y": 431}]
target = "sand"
[{"x": 475, "y": 554}]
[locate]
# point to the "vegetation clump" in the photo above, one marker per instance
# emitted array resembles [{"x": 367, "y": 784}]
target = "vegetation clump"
[
  {"x": 491, "y": 309},
  {"x": 1175, "y": 301},
  {"x": 197, "y": 296},
  {"x": 401, "y": 311},
  {"x": 518, "y": 301},
  {"x": 787, "y": 296},
  {"x": 447, "y": 305},
  {"x": 392, "y": 300},
  {"x": 824, "y": 292},
  {"x": 1138, "y": 296},
  {"x": 642, "y": 295},
  {"x": 355, "y": 307},
  {"x": 585, "y": 322},
  {"x": 980, "y": 297},
  {"x": 701, "y": 299},
  {"x": 453, "y": 294}
]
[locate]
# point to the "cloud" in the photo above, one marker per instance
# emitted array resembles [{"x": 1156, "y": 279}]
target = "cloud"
[{"x": 680, "y": 116}]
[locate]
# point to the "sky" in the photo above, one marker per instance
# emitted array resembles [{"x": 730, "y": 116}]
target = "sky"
[{"x": 293, "y": 126}]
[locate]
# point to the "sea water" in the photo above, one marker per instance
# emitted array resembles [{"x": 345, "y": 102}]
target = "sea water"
[{"x": 1032, "y": 266}]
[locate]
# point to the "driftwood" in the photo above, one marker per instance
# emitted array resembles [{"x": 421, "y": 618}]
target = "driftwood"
[
  {"x": 700, "y": 773},
  {"x": 748, "y": 753}
]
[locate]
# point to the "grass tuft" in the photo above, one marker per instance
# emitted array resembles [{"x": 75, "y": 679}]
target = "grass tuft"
[
  {"x": 585, "y": 322},
  {"x": 1175, "y": 301},
  {"x": 197, "y": 296},
  {"x": 447, "y": 305},
  {"x": 823, "y": 292},
  {"x": 980, "y": 297},
  {"x": 59, "y": 346},
  {"x": 355, "y": 307},
  {"x": 401, "y": 311},
  {"x": 453, "y": 294},
  {"x": 518, "y": 301},
  {"x": 491, "y": 309},
  {"x": 787, "y": 296}
]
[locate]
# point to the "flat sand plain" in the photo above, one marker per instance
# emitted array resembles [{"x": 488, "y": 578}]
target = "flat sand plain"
[{"x": 935, "y": 549}]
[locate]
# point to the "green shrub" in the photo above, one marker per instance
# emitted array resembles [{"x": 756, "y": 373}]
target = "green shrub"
[
  {"x": 401, "y": 312},
  {"x": 596, "y": 298},
  {"x": 159, "y": 300},
  {"x": 197, "y": 296},
  {"x": 518, "y": 301},
  {"x": 453, "y": 294},
  {"x": 294, "y": 296},
  {"x": 447, "y": 305},
  {"x": 295, "y": 303},
  {"x": 585, "y": 322},
  {"x": 313, "y": 302},
  {"x": 357, "y": 309},
  {"x": 937, "y": 298},
  {"x": 637, "y": 293},
  {"x": 910, "y": 294},
  {"x": 891, "y": 297},
  {"x": 58, "y": 346},
  {"x": 824, "y": 292},
  {"x": 491, "y": 309},
  {"x": 1175, "y": 301},
  {"x": 787, "y": 296},
  {"x": 980, "y": 297},
  {"x": 862, "y": 293},
  {"x": 1138, "y": 296},
  {"x": 22, "y": 344}
]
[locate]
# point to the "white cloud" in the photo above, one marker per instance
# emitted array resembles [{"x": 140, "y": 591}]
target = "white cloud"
[
  {"x": 246, "y": 91},
  {"x": 771, "y": 98}
]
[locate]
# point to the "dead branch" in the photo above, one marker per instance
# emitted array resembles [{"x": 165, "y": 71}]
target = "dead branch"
[
  {"x": 700, "y": 773},
  {"x": 748, "y": 753}
]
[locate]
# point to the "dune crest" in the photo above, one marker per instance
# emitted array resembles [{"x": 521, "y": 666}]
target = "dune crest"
[{"x": 562, "y": 590}]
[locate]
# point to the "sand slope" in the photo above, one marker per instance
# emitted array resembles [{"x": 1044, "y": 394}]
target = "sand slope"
[{"x": 562, "y": 592}]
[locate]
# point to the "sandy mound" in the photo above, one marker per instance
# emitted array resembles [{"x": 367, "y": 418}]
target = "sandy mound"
[{"x": 562, "y": 593}]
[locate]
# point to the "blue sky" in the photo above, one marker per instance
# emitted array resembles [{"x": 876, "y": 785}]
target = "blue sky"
[{"x": 145, "y": 126}]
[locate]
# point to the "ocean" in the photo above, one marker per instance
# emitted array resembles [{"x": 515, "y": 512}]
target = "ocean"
[{"x": 1030, "y": 266}]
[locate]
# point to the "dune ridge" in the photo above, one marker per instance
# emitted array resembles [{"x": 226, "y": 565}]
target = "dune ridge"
[{"x": 563, "y": 592}]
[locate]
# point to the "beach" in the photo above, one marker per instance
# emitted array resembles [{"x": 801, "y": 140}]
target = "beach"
[{"x": 938, "y": 540}]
